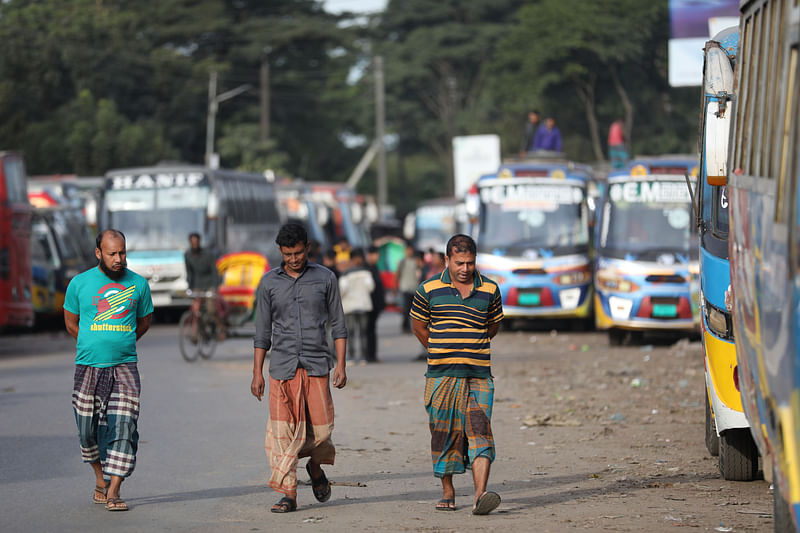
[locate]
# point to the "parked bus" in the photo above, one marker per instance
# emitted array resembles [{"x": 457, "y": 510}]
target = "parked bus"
[
  {"x": 533, "y": 238},
  {"x": 158, "y": 207},
  {"x": 62, "y": 246},
  {"x": 764, "y": 209},
  {"x": 646, "y": 263},
  {"x": 16, "y": 306},
  {"x": 346, "y": 219},
  {"x": 297, "y": 204},
  {"x": 433, "y": 223},
  {"x": 727, "y": 432}
]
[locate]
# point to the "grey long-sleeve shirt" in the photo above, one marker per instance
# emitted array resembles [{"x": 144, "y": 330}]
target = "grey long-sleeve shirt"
[{"x": 291, "y": 318}]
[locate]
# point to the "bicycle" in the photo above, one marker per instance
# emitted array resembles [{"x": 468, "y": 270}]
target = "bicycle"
[{"x": 197, "y": 330}]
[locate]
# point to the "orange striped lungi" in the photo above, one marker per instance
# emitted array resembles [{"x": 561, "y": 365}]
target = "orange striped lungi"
[{"x": 300, "y": 425}]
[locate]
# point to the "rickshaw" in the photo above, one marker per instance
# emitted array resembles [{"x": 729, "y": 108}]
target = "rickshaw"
[{"x": 235, "y": 300}]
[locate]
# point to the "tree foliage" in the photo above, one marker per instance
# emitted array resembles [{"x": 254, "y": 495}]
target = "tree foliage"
[{"x": 89, "y": 85}]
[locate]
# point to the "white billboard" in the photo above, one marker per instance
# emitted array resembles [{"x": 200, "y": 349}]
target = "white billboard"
[
  {"x": 474, "y": 156},
  {"x": 692, "y": 23}
]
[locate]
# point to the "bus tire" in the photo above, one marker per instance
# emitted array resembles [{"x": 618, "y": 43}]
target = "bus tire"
[
  {"x": 616, "y": 337},
  {"x": 712, "y": 439},
  {"x": 781, "y": 515},
  {"x": 738, "y": 455}
]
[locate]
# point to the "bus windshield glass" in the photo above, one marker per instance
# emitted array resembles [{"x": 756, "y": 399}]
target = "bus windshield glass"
[
  {"x": 158, "y": 219},
  {"x": 435, "y": 224},
  {"x": 647, "y": 221},
  {"x": 519, "y": 217}
]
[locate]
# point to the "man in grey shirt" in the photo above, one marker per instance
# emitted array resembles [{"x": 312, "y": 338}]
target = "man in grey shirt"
[{"x": 295, "y": 301}]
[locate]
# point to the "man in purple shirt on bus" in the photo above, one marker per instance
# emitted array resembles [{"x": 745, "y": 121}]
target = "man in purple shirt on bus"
[{"x": 548, "y": 137}]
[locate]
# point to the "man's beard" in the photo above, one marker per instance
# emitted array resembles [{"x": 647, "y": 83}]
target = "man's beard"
[{"x": 115, "y": 275}]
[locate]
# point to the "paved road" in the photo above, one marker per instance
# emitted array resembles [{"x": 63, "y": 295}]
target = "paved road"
[{"x": 202, "y": 466}]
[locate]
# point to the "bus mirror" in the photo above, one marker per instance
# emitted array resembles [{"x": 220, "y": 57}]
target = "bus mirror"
[
  {"x": 717, "y": 126},
  {"x": 322, "y": 215},
  {"x": 409, "y": 226},
  {"x": 212, "y": 208}
]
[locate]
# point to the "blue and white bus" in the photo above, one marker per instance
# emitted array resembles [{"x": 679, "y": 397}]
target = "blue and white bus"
[
  {"x": 727, "y": 432},
  {"x": 158, "y": 207},
  {"x": 533, "y": 238},
  {"x": 764, "y": 208},
  {"x": 646, "y": 252}
]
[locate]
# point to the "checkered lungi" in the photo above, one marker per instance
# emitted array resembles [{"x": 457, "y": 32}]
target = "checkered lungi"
[
  {"x": 459, "y": 415},
  {"x": 106, "y": 406},
  {"x": 300, "y": 425}
]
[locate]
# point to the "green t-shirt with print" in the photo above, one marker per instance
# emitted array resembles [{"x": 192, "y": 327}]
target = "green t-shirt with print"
[{"x": 108, "y": 311}]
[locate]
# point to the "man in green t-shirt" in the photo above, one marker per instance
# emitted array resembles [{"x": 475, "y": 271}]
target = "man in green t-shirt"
[
  {"x": 454, "y": 315},
  {"x": 107, "y": 309}
]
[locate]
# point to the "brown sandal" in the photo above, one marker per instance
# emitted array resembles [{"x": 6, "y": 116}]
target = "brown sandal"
[
  {"x": 116, "y": 504},
  {"x": 100, "y": 490}
]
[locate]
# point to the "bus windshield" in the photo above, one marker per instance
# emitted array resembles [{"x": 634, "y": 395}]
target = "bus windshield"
[
  {"x": 158, "y": 219},
  {"x": 648, "y": 220},
  {"x": 435, "y": 224},
  {"x": 521, "y": 217}
]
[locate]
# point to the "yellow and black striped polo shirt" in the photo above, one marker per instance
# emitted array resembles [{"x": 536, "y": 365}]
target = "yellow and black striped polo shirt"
[{"x": 458, "y": 341}]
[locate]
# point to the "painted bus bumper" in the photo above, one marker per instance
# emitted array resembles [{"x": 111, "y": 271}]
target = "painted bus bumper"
[
  {"x": 165, "y": 272},
  {"x": 667, "y": 306},
  {"x": 720, "y": 364},
  {"x": 549, "y": 288}
]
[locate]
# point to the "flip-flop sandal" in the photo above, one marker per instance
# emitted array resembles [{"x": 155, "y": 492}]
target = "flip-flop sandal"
[
  {"x": 284, "y": 505},
  {"x": 446, "y": 504},
  {"x": 321, "y": 486},
  {"x": 116, "y": 504},
  {"x": 100, "y": 490},
  {"x": 487, "y": 503}
]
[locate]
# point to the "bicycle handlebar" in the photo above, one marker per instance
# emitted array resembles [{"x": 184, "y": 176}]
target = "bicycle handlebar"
[{"x": 200, "y": 294}]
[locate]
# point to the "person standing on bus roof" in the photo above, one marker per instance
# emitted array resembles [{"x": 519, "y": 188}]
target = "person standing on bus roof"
[
  {"x": 454, "y": 315},
  {"x": 548, "y": 136},
  {"x": 617, "y": 152},
  {"x": 295, "y": 301},
  {"x": 107, "y": 309},
  {"x": 531, "y": 127}
]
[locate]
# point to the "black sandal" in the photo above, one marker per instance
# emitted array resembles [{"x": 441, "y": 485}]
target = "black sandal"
[
  {"x": 321, "y": 486},
  {"x": 284, "y": 505}
]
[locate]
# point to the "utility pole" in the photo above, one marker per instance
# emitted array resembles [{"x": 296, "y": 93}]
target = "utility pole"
[
  {"x": 380, "y": 123},
  {"x": 265, "y": 94},
  {"x": 212, "y": 115},
  {"x": 213, "y": 105}
]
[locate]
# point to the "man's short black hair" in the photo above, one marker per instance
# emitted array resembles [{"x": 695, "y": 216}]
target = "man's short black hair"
[
  {"x": 291, "y": 235},
  {"x": 113, "y": 232},
  {"x": 331, "y": 254},
  {"x": 461, "y": 244},
  {"x": 357, "y": 253},
  {"x": 194, "y": 234},
  {"x": 372, "y": 249}
]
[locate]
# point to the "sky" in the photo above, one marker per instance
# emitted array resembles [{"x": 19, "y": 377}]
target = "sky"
[{"x": 357, "y": 6}]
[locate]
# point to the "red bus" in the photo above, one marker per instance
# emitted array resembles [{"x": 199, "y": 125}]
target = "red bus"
[{"x": 16, "y": 305}]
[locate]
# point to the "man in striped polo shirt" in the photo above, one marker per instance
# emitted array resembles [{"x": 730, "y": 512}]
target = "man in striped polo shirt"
[{"x": 454, "y": 315}]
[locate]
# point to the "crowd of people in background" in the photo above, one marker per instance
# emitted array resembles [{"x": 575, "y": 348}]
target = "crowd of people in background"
[{"x": 364, "y": 296}]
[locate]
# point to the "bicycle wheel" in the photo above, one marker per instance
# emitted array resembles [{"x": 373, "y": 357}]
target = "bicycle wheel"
[
  {"x": 188, "y": 336},
  {"x": 208, "y": 337}
]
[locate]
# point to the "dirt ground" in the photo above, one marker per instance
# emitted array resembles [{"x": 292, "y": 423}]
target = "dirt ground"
[{"x": 588, "y": 436}]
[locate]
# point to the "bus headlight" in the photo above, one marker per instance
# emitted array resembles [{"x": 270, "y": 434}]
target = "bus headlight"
[
  {"x": 616, "y": 284},
  {"x": 574, "y": 277},
  {"x": 717, "y": 321},
  {"x": 620, "y": 307}
]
